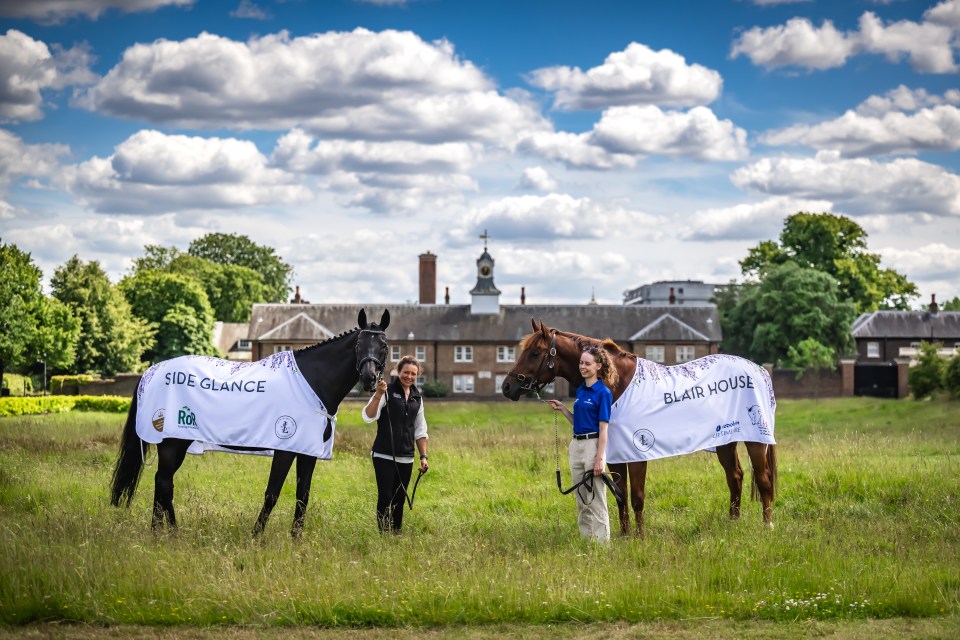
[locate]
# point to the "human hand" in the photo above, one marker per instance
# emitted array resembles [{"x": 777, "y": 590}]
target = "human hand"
[
  {"x": 381, "y": 387},
  {"x": 424, "y": 465},
  {"x": 556, "y": 405},
  {"x": 598, "y": 466}
]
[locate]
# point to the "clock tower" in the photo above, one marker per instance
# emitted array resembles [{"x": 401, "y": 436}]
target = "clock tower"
[{"x": 484, "y": 297}]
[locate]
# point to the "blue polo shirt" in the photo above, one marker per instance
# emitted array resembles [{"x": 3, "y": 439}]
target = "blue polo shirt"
[{"x": 591, "y": 407}]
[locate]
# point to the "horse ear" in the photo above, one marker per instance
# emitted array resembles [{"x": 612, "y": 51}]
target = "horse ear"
[
  {"x": 385, "y": 320},
  {"x": 362, "y": 319},
  {"x": 543, "y": 328},
  {"x": 533, "y": 322}
]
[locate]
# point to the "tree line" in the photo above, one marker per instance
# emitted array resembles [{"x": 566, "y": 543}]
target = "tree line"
[{"x": 164, "y": 307}]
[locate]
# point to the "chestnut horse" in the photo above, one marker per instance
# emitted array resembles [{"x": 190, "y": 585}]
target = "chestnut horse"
[{"x": 547, "y": 354}]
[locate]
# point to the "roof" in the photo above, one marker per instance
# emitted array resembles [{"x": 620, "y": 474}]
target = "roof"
[
  {"x": 920, "y": 325},
  {"x": 300, "y": 327},
  {"x": 226, "y": 334},
  {"x": 448, "y": 323}
]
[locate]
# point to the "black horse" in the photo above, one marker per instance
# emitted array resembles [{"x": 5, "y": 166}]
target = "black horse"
[{"x": 331, "y": 368}]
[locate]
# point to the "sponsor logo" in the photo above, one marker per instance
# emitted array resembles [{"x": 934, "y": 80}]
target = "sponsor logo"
[
  {"x": 643, "y": 439},
  {"x": 186, "y": 418},
  {"x": 756, "y": 419},
  {"x": 157, "y": 419},
  {"x": 724, "y": 430},
  {"x": 285, "y": 427}
]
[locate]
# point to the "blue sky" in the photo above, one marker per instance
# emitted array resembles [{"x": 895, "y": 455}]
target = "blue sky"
[{"x": 604, "y": 145}]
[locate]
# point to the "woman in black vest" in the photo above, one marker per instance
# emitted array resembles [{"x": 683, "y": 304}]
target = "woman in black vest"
[{"x": 399, "y": 428}]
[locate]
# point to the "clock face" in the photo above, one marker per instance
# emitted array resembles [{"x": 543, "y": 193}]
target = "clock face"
[{"x": 485, "y": 270}]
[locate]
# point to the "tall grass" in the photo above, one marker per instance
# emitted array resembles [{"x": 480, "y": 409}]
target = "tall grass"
[{"x": 867, "y": 526}]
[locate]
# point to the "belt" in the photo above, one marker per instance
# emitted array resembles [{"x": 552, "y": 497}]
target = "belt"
[{"x": 586, "y": 436}]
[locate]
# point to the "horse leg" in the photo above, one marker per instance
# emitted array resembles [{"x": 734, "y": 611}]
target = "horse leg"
[
  {"x": 305, "y": 466},
  {"x": 730, "y": 461},
  {"x": 278, "y": 473},
  {"x": 763, "y": 461},
  {"x": 619, "y": 473},
  {"x": 638, "y": 480},
  {"x": 170, "y": 455}
]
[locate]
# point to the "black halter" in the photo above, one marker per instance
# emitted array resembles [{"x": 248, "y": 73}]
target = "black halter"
[
  {"x": 368, "y": 358},
  {"x": 534, "y": 384}
]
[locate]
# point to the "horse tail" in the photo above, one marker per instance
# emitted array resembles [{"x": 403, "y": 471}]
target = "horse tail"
[
  {"x": 126, "y": 473},
  {"x": 772, "y": 468}
]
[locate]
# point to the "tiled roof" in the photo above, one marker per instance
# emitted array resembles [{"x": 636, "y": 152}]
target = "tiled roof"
[
  {"x": 945, "y": 325},
  {"x": 448, "y": 323}
]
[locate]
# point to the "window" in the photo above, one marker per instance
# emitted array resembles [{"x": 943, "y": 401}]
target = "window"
[
  {"x": 244, "y": 345},
  {"x": 506, "y": 354},
  {"x": 463, "y": 384},
  {"x": 873, "y": 349},
  {"x": 462, "y": 354},
  {"x": 421, "y": 380},
  {"x": 282, "y": 347},
  {"x": 685, "y": 353},
  {"x": 421, "y": 353},
  {"x": 394, "y": 353},
  {"x": 499, "y": 381},
  {"x": 656, "y": 353}
]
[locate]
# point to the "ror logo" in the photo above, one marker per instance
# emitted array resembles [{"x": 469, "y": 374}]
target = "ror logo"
[{"x": 186, "y": 418}]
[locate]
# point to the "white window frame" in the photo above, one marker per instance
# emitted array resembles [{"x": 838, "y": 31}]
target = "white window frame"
[
  {"x": 463, "y": 383},
  {"x": 685, "y": 350},
  {"x": 277, "y": 348},
  {"x": 421, "y": 353},
  {"x": 655, "y": 353},
  {"x": 463, "y": 353},
  {"x": 506, "y": 354},
  {"x": 394, "y": 353},
  {"x": 244, "y": 345},
  {"x": 499, "y": 381},
  {"x": 873, "y": 349},
  {"x": 421, "y": 380}
]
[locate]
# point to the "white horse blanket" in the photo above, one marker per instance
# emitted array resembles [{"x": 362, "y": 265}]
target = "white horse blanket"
[
  {"x": 266, "y": 404},
  {"x": 698, "y": 405}
]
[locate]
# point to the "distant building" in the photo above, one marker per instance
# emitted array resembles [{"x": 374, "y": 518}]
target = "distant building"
[
  {"x": 471, "y": 348},
  {"x": 231, "y": 339},
  {"x": 672, "y": 292}
]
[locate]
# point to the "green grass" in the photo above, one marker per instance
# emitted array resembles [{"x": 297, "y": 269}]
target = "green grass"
[{"x": 867, "y": 528}]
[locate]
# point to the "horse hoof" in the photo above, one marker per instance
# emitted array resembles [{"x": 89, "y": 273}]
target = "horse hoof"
[{"x": 769, "y": 525}]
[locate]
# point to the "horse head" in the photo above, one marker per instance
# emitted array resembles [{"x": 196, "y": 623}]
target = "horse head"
[
  {"x": 536, "y": 365},
  {"x": 371, "y": 349}
]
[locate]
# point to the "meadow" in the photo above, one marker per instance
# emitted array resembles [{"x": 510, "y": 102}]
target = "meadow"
[{"x": 867, "y": 536}]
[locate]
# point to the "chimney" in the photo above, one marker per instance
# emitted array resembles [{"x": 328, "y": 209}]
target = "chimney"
[
  {"x": 428, "y": 278},
  {"x": 523, "y": 295},
  {"x": 297, "y": 299},
  {"x": 934, "y": 307},
  {"x": 446, "y": 296},
  {"x": 673, "y": 298}
]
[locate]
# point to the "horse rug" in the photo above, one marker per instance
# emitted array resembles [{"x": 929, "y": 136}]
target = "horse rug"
[
  {"x": 217, "y": 403},
  {"x": 695, "y": 406}
]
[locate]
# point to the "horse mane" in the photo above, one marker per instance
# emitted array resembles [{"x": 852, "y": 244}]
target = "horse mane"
[
  {"x": 582, "y": 341},
  {"x": 328, "y": 340}
]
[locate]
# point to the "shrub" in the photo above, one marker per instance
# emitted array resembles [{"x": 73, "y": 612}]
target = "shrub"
[
  {"x": 107, "y": 404},
  {"x": 57, "y": 383},
  {"x": 17, "y": 384},
  {"x": 36, "y": 405},
  {"x": 951, "y": 377},
  {"x": 435, "y": 389},
  {"x": 926, "y": 378}
]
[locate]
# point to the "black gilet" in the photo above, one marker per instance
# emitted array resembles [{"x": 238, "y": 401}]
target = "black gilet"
[{"x": 401, "y": 415}]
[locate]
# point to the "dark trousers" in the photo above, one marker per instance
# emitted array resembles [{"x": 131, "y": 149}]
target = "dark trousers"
[{"x": 392, "y": 480}]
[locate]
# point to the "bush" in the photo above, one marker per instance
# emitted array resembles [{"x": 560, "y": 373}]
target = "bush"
[
  {"x": 926, "y": 378},
  {"x": 17, "y": 384},
  {"x": 36, "y": 405},
  {"x": 435, "y": 389},
  {"x": 951, "y": 377},
  {"x": 57, "y": 383}
]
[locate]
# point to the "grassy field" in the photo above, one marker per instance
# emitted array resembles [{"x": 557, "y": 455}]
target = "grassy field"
[{"x": 867, "y": 538}]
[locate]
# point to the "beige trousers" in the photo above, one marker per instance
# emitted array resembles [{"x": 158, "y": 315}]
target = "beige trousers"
[{"x": 592, "y": 515}]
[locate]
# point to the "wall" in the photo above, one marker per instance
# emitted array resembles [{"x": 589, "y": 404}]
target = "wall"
[{"x": 813, "y": 384}]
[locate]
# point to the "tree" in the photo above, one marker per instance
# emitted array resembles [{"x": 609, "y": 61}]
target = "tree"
[
  {"x": 233, "y": 249},
  {"x": 31, "y": 326},
  {"x": 926, "y": 378},
  {"x": 112, "y": 338},
  {"x": 951, "y": 377},
  {"x": 761, "y": 321},
  {"x": 951, "y": 305},
  {"x": 837, "y": 246},
  {"x": 156, "y": 257},
  {"x": 177, "y": 308},
  {"x": 231, "y": 289}
]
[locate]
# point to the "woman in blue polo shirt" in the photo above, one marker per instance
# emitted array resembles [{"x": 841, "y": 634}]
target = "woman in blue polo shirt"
[{"x": 590, "y": 417}]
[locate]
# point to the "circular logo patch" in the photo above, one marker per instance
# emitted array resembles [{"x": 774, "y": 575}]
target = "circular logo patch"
[
  {"x": 157, "y": 420},
  {"x": 285, "y": 427},
  {"x": 643, "y": 439}
]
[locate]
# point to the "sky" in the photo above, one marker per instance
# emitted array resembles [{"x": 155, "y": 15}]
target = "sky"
[{"x": 600, "y": 145}]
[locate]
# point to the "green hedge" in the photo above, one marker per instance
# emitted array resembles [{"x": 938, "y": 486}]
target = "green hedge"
[
  {"x": 59, "y": 382},
  {"x": 18, "y": 384},
  {"x": 36, "y": 405}
]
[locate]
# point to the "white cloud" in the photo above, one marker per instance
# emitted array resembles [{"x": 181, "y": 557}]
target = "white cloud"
[
  {"x": 753, "y": 221},
  {"x": 928, "y": 45},
  {"x": 363, "y": 85},
  {"x": 574, "y": 150},
  {"x": 936, "y": 129},
  {"x": 247, "y": 9},
  {"x": 931, "y": 262},
  {"x": 544, "y": 218},
  {"x": 538, "y": 179},
  {"x": 905, "y": 99},
  {"x": 27, "y": 67},
  {"x": 797, "y": 43},
  {"x": 55, "y": 11},
  {"x": 20, "y": 160},
  {"x": 152, "y": 172},
  {"x": 637, "y": 75},
  {"x": 860, "y": 186}
]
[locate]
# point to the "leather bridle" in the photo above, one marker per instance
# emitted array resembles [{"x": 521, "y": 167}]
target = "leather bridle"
[
  {"x": 369, "y": 358},
  {"x": 533, "y": 384}
]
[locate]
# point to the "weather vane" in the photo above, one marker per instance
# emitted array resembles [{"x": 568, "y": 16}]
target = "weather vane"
[{"x": 484, "y": 236}]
